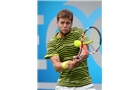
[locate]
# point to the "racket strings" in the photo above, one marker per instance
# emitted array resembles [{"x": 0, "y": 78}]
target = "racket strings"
[{"x": 94, "y": 35}]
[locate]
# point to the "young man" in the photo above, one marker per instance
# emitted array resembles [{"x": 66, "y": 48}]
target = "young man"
[{"x": 61, "y": 50}]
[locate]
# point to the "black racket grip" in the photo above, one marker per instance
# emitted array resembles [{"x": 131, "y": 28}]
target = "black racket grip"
[
  {"x": 77, "y": 57},
  {"x": 84, "y": 56}
]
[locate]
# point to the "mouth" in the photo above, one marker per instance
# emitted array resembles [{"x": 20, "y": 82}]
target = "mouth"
[{"x": 65, "y": 29}]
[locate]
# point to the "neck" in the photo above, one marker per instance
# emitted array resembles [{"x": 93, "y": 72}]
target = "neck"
[{"x": 60, "y": 35}]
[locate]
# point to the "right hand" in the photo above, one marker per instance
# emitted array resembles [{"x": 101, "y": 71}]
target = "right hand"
[{"x": 71, "y": 64}]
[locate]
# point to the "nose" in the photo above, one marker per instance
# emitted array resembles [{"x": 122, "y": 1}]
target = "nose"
[{"x": 65, "y": 24}]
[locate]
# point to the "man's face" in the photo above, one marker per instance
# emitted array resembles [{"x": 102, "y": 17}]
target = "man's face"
[{"x": 64, "y": 25}]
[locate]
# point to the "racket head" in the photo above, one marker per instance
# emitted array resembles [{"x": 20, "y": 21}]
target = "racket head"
[{"x": 93, "y": 38}]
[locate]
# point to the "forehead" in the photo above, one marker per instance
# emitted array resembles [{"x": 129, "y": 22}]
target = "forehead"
[{"x": 64, "y": 20}]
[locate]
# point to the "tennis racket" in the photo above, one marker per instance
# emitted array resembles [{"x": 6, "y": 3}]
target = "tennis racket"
[{"x": 93, "y": 38}]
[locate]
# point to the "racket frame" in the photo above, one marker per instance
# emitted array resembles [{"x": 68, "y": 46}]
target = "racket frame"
[{"x": 82, "y": 42}]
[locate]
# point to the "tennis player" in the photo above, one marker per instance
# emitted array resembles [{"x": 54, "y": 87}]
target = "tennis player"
[{"x": 74, "y": 74}]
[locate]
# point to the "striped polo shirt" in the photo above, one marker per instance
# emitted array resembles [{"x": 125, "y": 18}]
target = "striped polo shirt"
[{"x": 65, "y": 49}]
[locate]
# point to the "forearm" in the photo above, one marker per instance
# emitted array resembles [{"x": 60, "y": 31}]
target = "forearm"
[
  {"x": 81, "y": 58},
  {"x": 58, "y": 66},
  {"x": 56, "y": 63}
]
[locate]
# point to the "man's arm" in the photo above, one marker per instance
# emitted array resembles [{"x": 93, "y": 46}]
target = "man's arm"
[
  {"x": 83, "y": 54},
  {"x": 70, "y": 64},
  {"x": 75, "y": 61},
  {"x": 57, "y": 64}
]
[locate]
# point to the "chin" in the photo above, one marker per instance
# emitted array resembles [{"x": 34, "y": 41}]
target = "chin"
[{"x": 65, "y": 33}]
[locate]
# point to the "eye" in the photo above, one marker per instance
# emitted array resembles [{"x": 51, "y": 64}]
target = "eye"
[
  {"x": 68, "y": 23},
  {"x": 62, "y": 22}
]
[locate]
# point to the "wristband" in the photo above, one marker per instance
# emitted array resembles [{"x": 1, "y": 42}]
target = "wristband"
[{"x": 64, "y": 65}]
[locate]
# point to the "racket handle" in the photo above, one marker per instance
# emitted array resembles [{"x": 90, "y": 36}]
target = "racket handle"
[
  {"x": 82, "y": 56},
  {"x": 77, "y": 57}
]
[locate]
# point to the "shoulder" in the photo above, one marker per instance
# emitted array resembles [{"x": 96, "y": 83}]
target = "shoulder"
[
  {"x": 51, "y": 42},
  {"x": 77, "y": 30}
]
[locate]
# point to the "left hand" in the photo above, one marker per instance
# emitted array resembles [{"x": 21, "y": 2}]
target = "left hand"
[{"x": 76, "y": 62}]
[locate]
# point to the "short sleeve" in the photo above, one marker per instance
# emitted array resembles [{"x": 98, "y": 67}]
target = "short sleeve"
[{"x": 51, "y": 51}]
